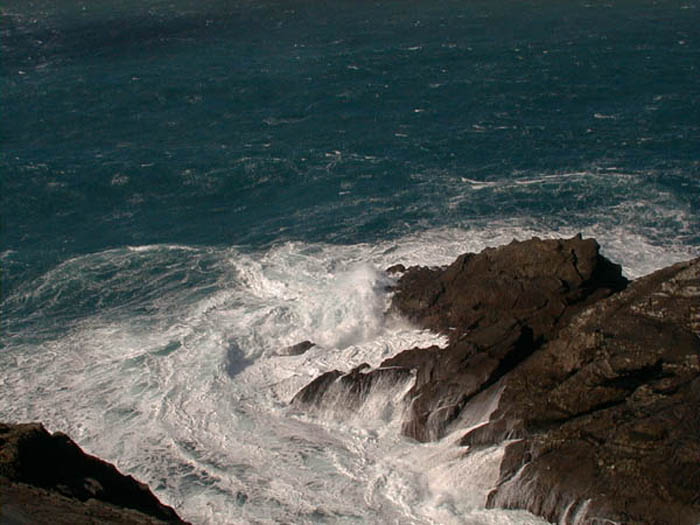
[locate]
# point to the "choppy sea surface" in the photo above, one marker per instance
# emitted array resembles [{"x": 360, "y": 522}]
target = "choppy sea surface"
[{"x": 189, "y": 187}]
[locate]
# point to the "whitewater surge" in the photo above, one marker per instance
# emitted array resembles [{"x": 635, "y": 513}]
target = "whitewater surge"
[
  {"x": 193, "y": 187},
  {"x": 169, "y": 361}
]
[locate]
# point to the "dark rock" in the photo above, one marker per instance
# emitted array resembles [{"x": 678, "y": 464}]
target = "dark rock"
[
  {"x": 48, "y": 478},
  {"x": 497, "y": 308},
  {"x": 348, "y": 391},
  {"x": 298, "y": 349},
  {"x": 312, "y": 394},
  {"x": 599, "y": 382},
  {"x": 611, "y": 411},
  {"x": 396, "y": 268},
  {"x": 534, "y": 282}
]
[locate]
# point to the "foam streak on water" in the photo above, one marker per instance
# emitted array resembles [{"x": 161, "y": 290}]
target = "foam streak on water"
[
  {"x": 169, "y": 361},
  {"x": 190, "y": 187}
]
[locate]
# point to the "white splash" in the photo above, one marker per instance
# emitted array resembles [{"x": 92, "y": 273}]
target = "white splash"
[{"x": 166, "y": 360}]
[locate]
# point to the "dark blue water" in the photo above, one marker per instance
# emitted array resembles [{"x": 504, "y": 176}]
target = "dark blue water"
[
  {"x": 215, "y": 123},
  {"x": 183, "y": 181}
]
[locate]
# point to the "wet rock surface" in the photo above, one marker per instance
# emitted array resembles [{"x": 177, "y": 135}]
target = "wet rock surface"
[
  {"x": 297, "y": 349},
  {"x": 599, "y": 379},
  {"x": 47, "y": 478},
  {"x": 609, "y": 412},
  {"x": 497, "y": 308},
  {"x": 350, "y": 390}
]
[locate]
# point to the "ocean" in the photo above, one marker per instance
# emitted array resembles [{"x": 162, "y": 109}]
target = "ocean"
[{"x": 190, "y": 187}]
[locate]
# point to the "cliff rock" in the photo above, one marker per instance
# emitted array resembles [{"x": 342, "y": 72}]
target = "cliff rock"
[
  {"x": 597, "y": 379},
  {"x": 47, "y": 478},
  {"x": 609, "y": 412}
]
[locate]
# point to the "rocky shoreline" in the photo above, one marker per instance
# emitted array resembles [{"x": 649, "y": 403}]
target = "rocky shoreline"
[
  {"x": 589, "y": 382},
  {"x": 47, "y": 478},
  {"x": 597, "y": 380}
]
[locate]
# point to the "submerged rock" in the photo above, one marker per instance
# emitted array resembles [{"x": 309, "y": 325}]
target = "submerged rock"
[
  {"x": 297, "y": 349},
  {"x": 47, "y": 478},
  {"x": 599, "y": 382}
]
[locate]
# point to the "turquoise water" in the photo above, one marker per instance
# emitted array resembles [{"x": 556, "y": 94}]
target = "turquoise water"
[{"x": 195, "y": 182}]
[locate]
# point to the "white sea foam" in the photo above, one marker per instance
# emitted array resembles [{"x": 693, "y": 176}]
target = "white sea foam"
[{"x": 167, "y": 360}]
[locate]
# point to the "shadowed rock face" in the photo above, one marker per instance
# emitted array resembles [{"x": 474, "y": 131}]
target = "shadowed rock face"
[
  {"x": 47, "y": 478},
  {"x": 610, "y": 411},
  {"x": 532, "y": 283},
  {"x": 349, "y": 391},
  {"x": 497, "y": 308},
  {"x": 599, "y": 382}
]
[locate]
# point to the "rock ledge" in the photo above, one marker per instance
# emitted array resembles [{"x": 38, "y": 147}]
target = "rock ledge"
[{"x": 47, "y": 478}]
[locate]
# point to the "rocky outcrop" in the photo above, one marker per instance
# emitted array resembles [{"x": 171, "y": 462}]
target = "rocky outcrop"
[
  {"x": 608, "y": 413},
  {"x": 496, "y": 307},
  {"x": 598, "y": 381},
  {"x": 538, "y": 283},
  {"x": 348, "y": 391},
  {"x": 47, "y": 478}
]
